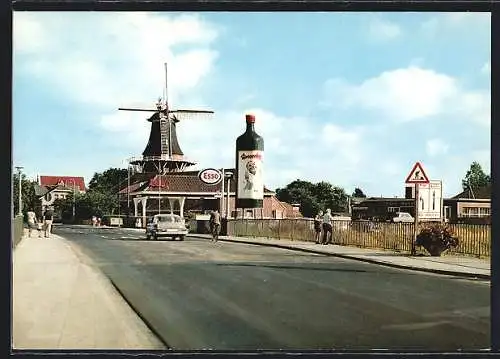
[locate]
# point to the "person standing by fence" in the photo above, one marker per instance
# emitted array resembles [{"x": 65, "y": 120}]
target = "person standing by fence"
[
  {"x": 327, "y": 227},
  {"x": 317, "y": 227},
  {"x": 48, "y": 217}
]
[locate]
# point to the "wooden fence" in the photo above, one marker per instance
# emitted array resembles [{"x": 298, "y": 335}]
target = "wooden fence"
[{"x": 474, "y": 239}]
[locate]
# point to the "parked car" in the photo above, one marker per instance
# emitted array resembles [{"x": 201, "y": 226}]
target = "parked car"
[
  {"x": 166, "y": 225},
  {"x": 402, "y": 217}
]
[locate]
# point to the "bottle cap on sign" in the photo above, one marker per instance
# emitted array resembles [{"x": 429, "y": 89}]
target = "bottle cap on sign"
[{"x": 250, "y": 118}]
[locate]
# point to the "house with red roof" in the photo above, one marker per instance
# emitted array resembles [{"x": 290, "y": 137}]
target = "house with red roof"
[{"x": 51, "y": 188}]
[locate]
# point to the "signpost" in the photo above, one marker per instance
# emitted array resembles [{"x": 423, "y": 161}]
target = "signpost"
[
  {"x": 417, "y": 176},
  {"x": 430, "y": 201}
]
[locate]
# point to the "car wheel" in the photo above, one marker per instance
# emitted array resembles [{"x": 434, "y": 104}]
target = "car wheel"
[
  {"x": 181, "y": 238},
  {"x": 148, "y": 237}
]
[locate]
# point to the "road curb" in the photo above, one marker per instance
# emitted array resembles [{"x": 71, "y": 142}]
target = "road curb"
[{"x": 366, "y": 260}]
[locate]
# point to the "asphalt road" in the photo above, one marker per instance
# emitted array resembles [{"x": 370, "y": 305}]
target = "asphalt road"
[{"x": 198, "y": 294}]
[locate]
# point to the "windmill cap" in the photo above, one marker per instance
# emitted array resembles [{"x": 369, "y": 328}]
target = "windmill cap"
[{"x": 250, "y": 118}]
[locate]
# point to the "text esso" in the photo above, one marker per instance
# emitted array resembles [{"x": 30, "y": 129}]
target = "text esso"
[{"x": 210, "y": 176}]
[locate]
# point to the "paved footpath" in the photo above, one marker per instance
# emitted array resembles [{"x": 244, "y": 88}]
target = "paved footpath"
[
  {"x": 61, "y": 302},
  {"x": 450, "y": 265}
]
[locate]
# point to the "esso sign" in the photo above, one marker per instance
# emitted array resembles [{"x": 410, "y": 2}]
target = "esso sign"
[{"x": 210, "y": 176}]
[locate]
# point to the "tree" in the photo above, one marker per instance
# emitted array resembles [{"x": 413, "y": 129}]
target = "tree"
[
  {"x": 109, "y": 181},
  {"x": 358, "y": 193},
  {"x": 475, "y": 177},
  {"x": 102, "y": 197},
  {"x": 313, "y": 197},
  {"x": 28, "y": 198}
]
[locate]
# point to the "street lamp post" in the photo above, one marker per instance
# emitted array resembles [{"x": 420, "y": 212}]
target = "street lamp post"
[
  {"x": 128, "y": 189},
  {"x": 228, "y": 175},
  {"x": 20, "y": 209},
  {"x": 74, "y": 201}
]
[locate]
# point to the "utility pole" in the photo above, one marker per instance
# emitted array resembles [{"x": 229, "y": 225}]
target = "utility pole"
[
  {"x": 222, "y": 211},
  {"x": 74, "y": 200},
  {"x": 119, "y": 204},
  {"x": 128, "y": 189},
  {"x": 228, "y": 175},
  {"x": 20, "y": 208}
]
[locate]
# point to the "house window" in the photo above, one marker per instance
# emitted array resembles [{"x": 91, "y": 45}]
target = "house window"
[
  {"x": 470, "y": 212},
  {"x": 447, "y": 212},
  {"x": 277, "y": 214},
  {"x": 484, "y": 212}
]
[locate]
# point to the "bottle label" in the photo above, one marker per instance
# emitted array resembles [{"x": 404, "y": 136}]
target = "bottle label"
[{"x": 250, "y": 174}]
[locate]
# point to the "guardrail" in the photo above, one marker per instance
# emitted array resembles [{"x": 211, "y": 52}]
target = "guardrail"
[
  {"x": 474, "y": 239},
  {"x": 17, "y": 230}
]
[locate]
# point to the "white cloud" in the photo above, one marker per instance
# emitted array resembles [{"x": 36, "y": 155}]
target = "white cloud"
[
  {"x": 410, "y": 94},
  {"x": 383, "y": 30},
  {"x": 403, "y": 94},
  {"x": 346, "y": 142},
  {"x": 116, "y": 59},
  {"x": 436, "y": 147}
]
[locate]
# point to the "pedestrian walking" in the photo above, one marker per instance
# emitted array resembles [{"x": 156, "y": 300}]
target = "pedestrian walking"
[
  {"x": 317, "y": 227},
  {"x": 215, "y": 225},
  {"x": 32, "y": 223},
  {"x": 94, "y": 221},
  {"x": 327, "y": 227},
  {"x": 48, "y": 217}
]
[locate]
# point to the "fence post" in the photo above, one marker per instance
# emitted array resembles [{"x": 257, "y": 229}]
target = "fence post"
[{"x": 279, "y": 228}]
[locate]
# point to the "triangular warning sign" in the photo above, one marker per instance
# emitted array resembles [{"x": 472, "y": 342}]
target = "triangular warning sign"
[{"x": 417, "y": 175}]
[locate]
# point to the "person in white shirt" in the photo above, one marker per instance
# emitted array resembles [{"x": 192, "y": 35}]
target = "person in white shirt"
[
  {"x": 327, "y": 227},
  {"x": 32, "y": 223}
]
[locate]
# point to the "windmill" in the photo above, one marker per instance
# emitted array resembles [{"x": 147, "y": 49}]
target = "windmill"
[{"x": 163, "y": 153}]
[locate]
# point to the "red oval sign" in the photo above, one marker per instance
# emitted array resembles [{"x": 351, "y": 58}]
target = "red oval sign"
[{"x": 210, "y": 176}]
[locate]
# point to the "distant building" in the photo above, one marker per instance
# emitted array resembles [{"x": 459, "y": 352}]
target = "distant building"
[
  {"x": 466, "y": 207},
  {"x": 381, "y": 208},
  {"x": 469, "y": 206},
  {"x": 51, "y": 188}
]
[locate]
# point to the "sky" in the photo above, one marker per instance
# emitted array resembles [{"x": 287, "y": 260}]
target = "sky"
[{"x": 354, "y": 99}]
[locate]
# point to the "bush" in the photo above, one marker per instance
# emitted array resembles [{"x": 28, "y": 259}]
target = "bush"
[{"x": 436, "y": 238}]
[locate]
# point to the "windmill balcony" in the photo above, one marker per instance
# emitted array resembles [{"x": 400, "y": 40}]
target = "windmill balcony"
[{"x": 163, "y": 157}]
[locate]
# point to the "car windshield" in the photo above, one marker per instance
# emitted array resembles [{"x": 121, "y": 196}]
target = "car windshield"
[{"x": 168, "y": 219}]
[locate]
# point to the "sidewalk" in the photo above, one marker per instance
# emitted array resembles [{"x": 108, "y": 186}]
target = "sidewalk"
[
  {"x": 61, "y": 302},
  {"x": 450, "y": 265}
]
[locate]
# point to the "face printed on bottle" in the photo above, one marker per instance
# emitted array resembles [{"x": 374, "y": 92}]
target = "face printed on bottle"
[{"x": 250, "y": 180}]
